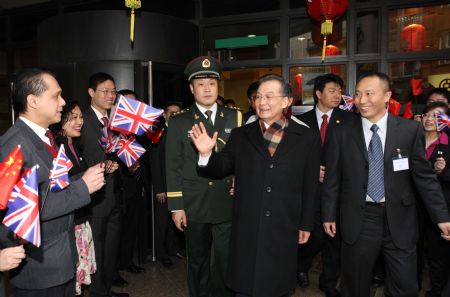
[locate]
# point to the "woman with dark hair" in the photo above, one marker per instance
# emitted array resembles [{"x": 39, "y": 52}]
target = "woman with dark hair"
[
  {"x": 65, "y": 131},
  {"x": 437, "y": 151}
]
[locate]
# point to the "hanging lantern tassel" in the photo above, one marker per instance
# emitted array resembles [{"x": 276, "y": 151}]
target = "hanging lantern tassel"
[
  {"x": 325, "y": 29},
  {"x": 132, "y": 4}
]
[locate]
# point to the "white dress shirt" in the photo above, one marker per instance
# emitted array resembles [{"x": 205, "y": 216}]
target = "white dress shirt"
[
  {"x": 319, "y": 115},
  {"x": 213, "y": 109},
  {"x": 99, "y": 115},
  {"x": 382, "y": 125},
  {"x": 40, "y": 131}
]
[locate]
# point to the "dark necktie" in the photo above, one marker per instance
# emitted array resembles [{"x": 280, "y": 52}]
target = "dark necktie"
[
  {"x": 375, "y": 187},
  {"x": 208, "y": 117},
  {"x": 323, "y": 127},
  {"x": 51, "y": 138}
]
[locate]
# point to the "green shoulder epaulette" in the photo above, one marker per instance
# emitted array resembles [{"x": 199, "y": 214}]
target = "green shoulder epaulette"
[{"x": 232, "y": 107}]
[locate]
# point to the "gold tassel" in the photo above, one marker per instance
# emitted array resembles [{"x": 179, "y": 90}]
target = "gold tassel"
[
  {"x": 133, "y": 5},
  {"x": 132, "y": 26},
  {"x": 325, "y": 29}
]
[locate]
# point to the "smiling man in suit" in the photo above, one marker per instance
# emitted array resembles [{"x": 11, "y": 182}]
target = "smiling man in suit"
[
  {"x": 106, "y": 210},
  {"x": 323, "y": 118},
  {"x": 274, "y": 191},
  {"x": 377, "y": 162},
  {"x": 50, "y": 269}
]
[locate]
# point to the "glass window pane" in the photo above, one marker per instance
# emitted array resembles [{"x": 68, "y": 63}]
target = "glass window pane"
[
  {"x": 419, "y": 28},
  {"x": 305, "y": 39},
  {"x": 239, "y": 51},
  {"x": 302, "y": 80},
  {"x": 367, "y": 32},
  {"x": 436, "y": 74},
  {"x": 297, "y": 3},
  {"x": 214, "y": 8},
  {"x": 362, "y": 68}
]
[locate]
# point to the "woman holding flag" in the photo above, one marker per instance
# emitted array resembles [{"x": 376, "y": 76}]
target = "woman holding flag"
[
  {"x": 437, "y": 151},
  {"x": 65, "y": 131}
]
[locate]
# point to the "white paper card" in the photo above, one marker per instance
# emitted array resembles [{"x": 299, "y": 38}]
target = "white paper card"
[{"x": 401, "y": 164}]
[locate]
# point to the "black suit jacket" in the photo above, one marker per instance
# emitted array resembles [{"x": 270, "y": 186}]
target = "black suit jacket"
[
  {"x": 158, "y": 165},
  {"x": 79, "y": 167},
  {"x": 54, "y": 262},
  {"x": 338, "y": 118},
  {"x": 444, "y": 176},
  {"x": 274, "y": 198},
  {"x": 347, "y": 177},
  {"x": 104, "y": 200}
]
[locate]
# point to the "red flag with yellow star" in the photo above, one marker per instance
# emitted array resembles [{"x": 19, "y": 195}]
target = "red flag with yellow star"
[{"x": 9, "y": 174}]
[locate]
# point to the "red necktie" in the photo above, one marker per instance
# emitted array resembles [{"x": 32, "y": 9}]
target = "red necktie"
[
  {"x": 51, "y": 138},
  {"x": 323, "y": 127}
]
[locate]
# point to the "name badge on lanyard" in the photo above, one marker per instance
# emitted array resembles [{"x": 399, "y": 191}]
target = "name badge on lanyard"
[{"x": 400, "y": 162}]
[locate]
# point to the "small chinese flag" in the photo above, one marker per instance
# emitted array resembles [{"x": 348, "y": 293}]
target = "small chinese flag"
[
  {"x": 416, "y": 86},
  {"x": 394, "y": 107},
  {"x": 408, "y": 113},
  {"x": 9, "y": 174}
]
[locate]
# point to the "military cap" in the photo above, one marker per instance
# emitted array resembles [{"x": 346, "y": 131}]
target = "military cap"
[{"x": 203, "y": 67}]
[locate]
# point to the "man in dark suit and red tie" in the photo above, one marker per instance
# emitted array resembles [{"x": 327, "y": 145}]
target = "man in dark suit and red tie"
[
  {"x": 50, "y": 269},
  {"x": 376, "y": 164},
  {"x": 323, "y": 118}
]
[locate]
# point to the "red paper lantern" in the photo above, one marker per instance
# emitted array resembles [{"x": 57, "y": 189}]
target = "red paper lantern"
[
  {"x": 298, "y": 80},
  {"x": 332, "y": 50},
  {"x": 326, "y": 11},
  {"x": 413, "y": 38},
  {"x": 334, "y": 37}
]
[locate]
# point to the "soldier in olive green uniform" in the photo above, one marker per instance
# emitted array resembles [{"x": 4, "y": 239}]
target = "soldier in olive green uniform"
[{"x": 201, "y": 207}]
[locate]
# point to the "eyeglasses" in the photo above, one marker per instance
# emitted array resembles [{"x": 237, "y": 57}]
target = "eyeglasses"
[
  {"x": 269, "y": 97},
  {"x": 106, "y": 92}
]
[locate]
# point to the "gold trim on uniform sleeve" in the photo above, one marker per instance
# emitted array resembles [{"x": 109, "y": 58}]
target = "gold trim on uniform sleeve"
[
  {"x": 239, "y": 118},
  {"x": 174, "y": 194}
]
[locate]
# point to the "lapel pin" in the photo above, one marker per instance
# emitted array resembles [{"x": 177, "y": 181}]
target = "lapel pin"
[
  {"x": 221, "y": 114},
  {"x": 337, "y": 121},
  {"x": 196, "y": 116}
]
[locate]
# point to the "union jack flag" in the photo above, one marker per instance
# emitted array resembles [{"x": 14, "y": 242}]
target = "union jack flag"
[
  {"x": 22, "y": 216},
  {"x": 129, "y": 150},
  {"x": 442, "y": 121},
  {"x": 348, "y": 102},
  {"x": 59, "y": 175},
  {"x": 133, "y": 117},
  {"x": 108, "y": 141}
]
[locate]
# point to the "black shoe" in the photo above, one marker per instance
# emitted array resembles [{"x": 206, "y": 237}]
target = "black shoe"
[
  {"x": 116, "y": 294},
  {"x": 378, "y": 280},
  {"x": 135, "y": 269},
  {"x": 303, "y": 279},
  {"x": 120, "y": 282},
  {"x": 332, "y": 293},
  {"x": 167, "y": 262}
]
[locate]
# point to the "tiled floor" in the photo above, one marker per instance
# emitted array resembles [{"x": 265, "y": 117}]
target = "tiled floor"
[{"x": 158, "y": 281}]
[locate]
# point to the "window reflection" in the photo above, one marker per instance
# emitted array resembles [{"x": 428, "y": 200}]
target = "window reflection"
[
  {"x": 306, "y": 41},
  {"x": 302, "y": 80},
  {"x": 419, "y": 28}
]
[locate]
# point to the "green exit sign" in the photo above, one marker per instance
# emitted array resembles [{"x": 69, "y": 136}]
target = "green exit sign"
[{"x": 242, "y": 42}]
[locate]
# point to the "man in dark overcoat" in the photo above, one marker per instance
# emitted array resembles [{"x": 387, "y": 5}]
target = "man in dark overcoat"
[{"x": 274, "y": 191}]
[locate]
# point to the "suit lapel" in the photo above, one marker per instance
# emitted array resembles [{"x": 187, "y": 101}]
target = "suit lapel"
[
  {"x": 358, "y": 136},
  {"x": 39, "y": 146},
  {"x": 220, "y": 120},
  {"x": 254, "y": 133},
  {"x": 391, "y": 131}
]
